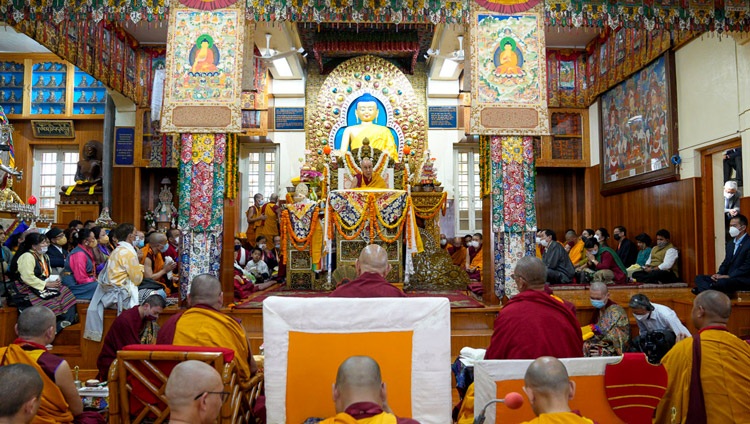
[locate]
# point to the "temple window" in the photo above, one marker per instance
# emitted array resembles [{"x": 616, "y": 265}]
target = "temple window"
[
  {"x": 259, "y": 171},
  {"x": 467, "y": 196},
  {"x": 54, "y": 167}
]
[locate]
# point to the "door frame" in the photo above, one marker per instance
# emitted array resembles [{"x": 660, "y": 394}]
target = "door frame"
[{"x": 706, "y": 239}]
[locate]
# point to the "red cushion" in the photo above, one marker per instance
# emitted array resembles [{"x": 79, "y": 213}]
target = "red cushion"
[{"x": 228, "y": 353}]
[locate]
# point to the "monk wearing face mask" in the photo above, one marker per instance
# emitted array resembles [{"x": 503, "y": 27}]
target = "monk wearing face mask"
[
  {"x": 154, "y": 266},
  {"x": 136, "y": 325}
]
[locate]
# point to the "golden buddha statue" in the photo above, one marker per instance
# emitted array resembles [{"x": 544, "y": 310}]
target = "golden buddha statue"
[{"x": 380, "y": 136}]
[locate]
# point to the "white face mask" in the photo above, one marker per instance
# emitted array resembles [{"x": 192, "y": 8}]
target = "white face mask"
[
  {"x": 443, "y": 242},
  {"x": 734, "y": 232},
  {"x": 475, "y": 244},
  {"x": 544, "y": 243},
  {"x": 262, "y": 245},
  {"x": 538, "y": 240},
  {"x": 176, "y": 240},
  {"x": 44, "y": 249},
  {"x": 598, "y": 238},
  {"x": 728, "y": 195},
  {"x": 640, "y": 317}
]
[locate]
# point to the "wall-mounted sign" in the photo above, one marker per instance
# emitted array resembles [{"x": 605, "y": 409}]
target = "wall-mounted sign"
[
  {"x": 53, "y": 129},
  {"x": 445, "y": 117},
  {"x": 124, "y": 146},
  {"x": 289, "y": 118}
]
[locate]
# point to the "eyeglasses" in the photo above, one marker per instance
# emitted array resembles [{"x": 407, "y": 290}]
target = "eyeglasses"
[{"x": 224, "y": 395}]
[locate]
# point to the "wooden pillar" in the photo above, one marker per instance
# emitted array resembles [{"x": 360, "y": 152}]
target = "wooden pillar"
[{"x": 231, "y": 218}]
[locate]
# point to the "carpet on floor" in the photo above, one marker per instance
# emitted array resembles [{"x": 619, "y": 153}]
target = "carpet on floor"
[
  {"x": 634, "y": 285},
  {"x": 457, "y": 299}
]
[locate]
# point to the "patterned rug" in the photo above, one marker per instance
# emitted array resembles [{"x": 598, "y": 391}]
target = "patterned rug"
[
  {"x": 635, "y": 285},
  {"x": 457, "y": 299}
]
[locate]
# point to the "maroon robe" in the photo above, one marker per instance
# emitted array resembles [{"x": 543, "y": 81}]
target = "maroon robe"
[
  {"x": 125, "y": 330},
  {"x": 534, "y": 324},
  {"x": 369, "y": 284}
]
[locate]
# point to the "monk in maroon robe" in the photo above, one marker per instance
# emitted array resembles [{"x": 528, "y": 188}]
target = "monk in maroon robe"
[
  {"x": 372, "y": 268},
  {"x": 534, "y": 323},
  {"x": 133, "y": 326}
]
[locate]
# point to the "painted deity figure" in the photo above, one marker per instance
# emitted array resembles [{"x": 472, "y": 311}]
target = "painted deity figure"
[
  {"x": 508, "y": 58},
  {"x": 379, "y": 136},
  {"x": 203, "y": 55}
]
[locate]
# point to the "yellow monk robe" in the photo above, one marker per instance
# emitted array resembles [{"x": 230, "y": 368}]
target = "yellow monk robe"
[
  {"x": 477, "y": 261},
  {"x": 344, "y": 418},
  {"x": 202, "y": 326},
  {"x": 252, "y": 227},
  {"x": 53, "y": 408},
  {"x": 576, "y": 253},
  {"x": 316, "y": 247},
  {"x": 376, "y": 182},
  {"x": 270, "y": 226},
  {"x": 157, "y": 264},
  {"x": 560, "y": 418},
  {"x": 539, "y": 252},
  {"x": 725, "y": 361},
  {"x": 459, "y": 256}
]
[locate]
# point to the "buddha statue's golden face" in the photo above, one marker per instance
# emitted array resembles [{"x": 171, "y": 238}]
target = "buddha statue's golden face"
[{"x": 367, "y": 111}]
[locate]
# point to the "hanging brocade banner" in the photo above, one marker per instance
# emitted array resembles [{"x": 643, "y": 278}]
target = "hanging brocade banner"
[
  {"x": 203, "y": 86},
  {"x": 202, "y": 169},
  {"x": 508, "y": 71},
  {"x": 513, "y": 208}
]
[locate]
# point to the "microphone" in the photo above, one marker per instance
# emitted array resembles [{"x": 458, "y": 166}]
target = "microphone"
[{"x": 512, "y": 400}]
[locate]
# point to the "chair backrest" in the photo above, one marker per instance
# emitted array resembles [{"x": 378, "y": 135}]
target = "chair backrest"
[
  {"x": 494, "y": 379},
  {"x": 306, "y": 339},
  {"x": 138, "y": 379}
]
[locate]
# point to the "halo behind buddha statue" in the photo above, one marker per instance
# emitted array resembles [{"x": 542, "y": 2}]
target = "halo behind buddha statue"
[{"x": 367, "y": 97}]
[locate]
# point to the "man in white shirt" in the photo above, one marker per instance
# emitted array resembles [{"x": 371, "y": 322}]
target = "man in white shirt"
[
  {"x": 652, "y": 316},
  {"x": 258, "y": 268},
  {"x": 661, "y": 266}
]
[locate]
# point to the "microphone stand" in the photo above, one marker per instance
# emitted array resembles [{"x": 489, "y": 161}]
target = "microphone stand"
[{"x": 479, "y": 419}]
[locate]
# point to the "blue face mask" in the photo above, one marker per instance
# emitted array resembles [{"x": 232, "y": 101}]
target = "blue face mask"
[
  {"x": 138, "y": 243},
  {"x": 598, "y": 304}
]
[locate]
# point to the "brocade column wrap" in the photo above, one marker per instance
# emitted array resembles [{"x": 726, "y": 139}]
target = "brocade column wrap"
[
  {"x": 201, "y": 201},
  {"x": 513, "y": 210}
]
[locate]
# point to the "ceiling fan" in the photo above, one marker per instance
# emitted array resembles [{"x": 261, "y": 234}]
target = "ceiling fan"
[
  {"x": 270, "y": 54},
  {"x": 456, "y": 55}
]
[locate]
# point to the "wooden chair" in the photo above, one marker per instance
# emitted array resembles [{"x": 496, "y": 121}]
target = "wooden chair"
[{"x": 138, "y": 379}]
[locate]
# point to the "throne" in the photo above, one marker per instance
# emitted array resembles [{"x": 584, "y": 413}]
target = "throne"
[{"x": 348, "y": 166}]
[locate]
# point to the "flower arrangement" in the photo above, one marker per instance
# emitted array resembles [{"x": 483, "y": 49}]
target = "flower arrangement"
[{"x": 150, "y": 219}]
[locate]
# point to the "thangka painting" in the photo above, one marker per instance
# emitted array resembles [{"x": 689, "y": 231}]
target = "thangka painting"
[
  {"x": 638, "y": 129},
  {"x": 204, "y": 70},
  {"x": 509, "y": 73}
]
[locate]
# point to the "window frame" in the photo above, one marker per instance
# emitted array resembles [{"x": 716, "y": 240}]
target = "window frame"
[
  {"x": 474, "y": 209},
  {"x": 36, "y": 179},
  {"x": 244, "y": 190}
]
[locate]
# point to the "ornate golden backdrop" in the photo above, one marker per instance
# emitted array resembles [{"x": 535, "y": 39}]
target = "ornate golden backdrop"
[{"x": 403, "y": 105}]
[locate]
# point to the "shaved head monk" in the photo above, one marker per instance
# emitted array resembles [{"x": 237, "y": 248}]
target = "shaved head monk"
[
  {"x": 534, "y": 323},
  {"x": 59, "y": 401},
  {"x": 360, "y": 394},
  {"x": 19, "y": 394},
  {"x": 708, "y": 373},
  {"x": 204, "y": 325},
  {"x": 372, "y": 268},
  {"x": 549, "y": 389},
  {"x": 195, "y": 393}
]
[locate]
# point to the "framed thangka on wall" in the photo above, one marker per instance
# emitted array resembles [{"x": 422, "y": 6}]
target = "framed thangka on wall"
[
  {"x": 204, "y": 70},
  {"x": 638, "y": 129},
  {"x": 509, "y": 92}
]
